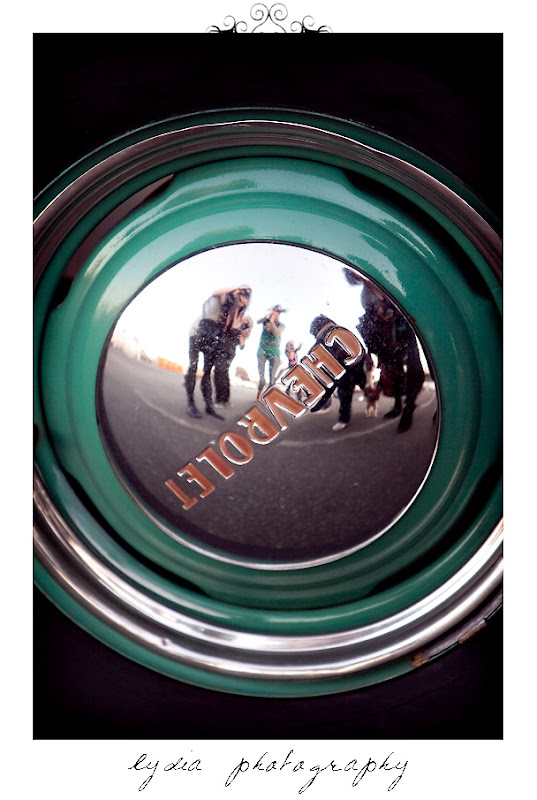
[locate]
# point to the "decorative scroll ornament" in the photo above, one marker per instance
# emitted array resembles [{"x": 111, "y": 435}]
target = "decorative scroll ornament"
[{"x": 269, "y": 20}]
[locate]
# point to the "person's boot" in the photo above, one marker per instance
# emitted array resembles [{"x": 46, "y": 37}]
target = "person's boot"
[
  {"x": 212, "y": 413},
  {"x": 192, "y": 411},
  {"x": 406, "y": 419},
  {"x": 323, "y": 406},
  {"x": 395, "y": 412}
]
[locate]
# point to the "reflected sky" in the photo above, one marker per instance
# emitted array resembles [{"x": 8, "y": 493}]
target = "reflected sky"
[{"x": 305, "y": 283}]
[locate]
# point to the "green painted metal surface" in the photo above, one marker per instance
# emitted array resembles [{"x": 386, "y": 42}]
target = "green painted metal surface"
[{"x": 388, "y": 232}]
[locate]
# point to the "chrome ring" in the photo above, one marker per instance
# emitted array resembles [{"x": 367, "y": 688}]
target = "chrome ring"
[
  {"x": 154, "y": 622},
  {"x": 158, "y": 626},
  {"x": 59, "y": 217}
]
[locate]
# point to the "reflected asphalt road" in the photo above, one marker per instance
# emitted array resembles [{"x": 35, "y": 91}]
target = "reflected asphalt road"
[{"x": 309, "y": 493}]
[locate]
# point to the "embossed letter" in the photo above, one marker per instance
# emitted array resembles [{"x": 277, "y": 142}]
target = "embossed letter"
[
  {"x": 195, "y": 475},
  {"x": 187, "y": 501},
  {"x": 239, "y": 443},
  {"x": 348, "y": 341},
  {"x": 211, "y": 457},
  {"x": 323, "y": 365},
  {"x": 256, "y": 420},
  {"x": 275, "y": 399},
  {"x": 303, "y": 379}
]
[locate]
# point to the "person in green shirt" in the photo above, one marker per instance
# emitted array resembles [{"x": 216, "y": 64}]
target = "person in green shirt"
[{"x": 269, "y": 346}]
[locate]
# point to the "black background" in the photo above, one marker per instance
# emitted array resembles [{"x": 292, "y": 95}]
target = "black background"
[{"x": 440, "y": 93}]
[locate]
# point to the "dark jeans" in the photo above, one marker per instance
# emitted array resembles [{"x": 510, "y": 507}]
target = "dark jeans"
[
  {"x": 193, "y": 357},
  {"x": 218, "y": 353},
  {"x": 221, "y": 362},
  {"x": 355, "y": 376},
  {"x": 407, "y": 383}
]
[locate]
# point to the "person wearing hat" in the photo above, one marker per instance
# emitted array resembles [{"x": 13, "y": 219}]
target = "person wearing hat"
[
  {"x": 232, "y": 336},
  {"x": 269, "y": 346},
  {"x": 216, "y": 333}
]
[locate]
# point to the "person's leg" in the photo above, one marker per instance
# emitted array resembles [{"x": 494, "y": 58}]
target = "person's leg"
[
  {"x": 222, "y": 386},
  {"x": 190, "y": 377},
  {"x": 206, "y": 385},
  {"x": 323, "y": 405},
  {"x": 358, "y": 375},
  {"x": 398, "y": 376},
  {"x": 261, "y": 360},
  {"x": 274, "y": 363},
  {"x": 345, "y": 388},
  {"x": 414, "y": 382}
]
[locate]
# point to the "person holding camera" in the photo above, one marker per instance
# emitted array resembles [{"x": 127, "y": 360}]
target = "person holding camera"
[
  {"x": 216, "y": 333},
  {"x": 269, "y": 346},
  {"x": 231, "y": 337}
]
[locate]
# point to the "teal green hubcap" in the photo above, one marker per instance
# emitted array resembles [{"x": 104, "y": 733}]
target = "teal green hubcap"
[{"x": 173, "y": 592}]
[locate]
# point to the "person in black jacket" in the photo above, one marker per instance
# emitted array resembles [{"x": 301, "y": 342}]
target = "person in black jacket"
[
  {"x": 354, "y": 376},
  {"x": 216, "y": 333},
  {"x": 387, "y": 334}
]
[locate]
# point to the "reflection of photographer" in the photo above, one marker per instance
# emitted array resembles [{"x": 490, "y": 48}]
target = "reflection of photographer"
[
  {"x": 231, "y": 338},
  {"x": 216, "y": 333},
  {"x": 269, "y": 345}
]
